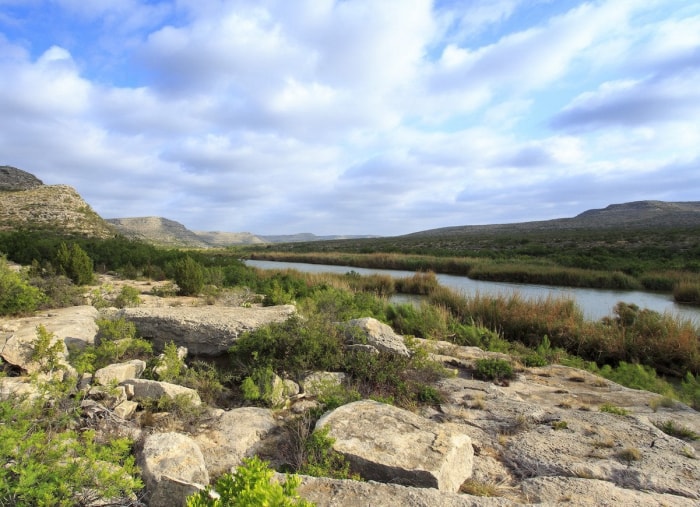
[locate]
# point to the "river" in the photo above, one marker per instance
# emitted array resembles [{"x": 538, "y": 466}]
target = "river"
[{"x": 595, "y": 303}]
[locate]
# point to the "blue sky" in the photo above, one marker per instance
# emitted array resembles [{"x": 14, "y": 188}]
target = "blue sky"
[{"x": 353, "y": 116}]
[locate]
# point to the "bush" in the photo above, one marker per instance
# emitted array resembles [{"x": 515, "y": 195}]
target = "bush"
[
  {"x": 189, "y": 276},
  {"x": 493, "y": 369},
  {"x": 128, "y": 297},
  {"x": 17, "y": 296},
  {"x": 74, "y": 263},
  {"x": 49, "y": 466},
  {"x": 117, "y": 342},
  {"x": 250, "y": 486}
]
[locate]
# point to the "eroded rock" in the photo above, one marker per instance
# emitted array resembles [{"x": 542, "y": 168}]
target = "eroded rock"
[
  {"x": 369, "y": 331},
  {"x": 388, "y": 444}
]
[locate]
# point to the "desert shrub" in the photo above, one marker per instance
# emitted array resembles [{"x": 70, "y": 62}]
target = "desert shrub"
[
  {"x": 251, "y": 485},
  {"x": 46, "y": 351},
  {"x": 341, "y": 305},
  {"x": 321, "y": 459},
  {"x": 117, "y": 342},
  {"x": 170, "y": 366},
  {"x": 164, "y": 291},
  {"x": 45, "y": 465},
  {"x": 60, "y": 292},
  {"x": 294, "y": 346},
  {"x": 189, "y": 276},
  {"x": 128, "y": 297},
  {"x": 207, "y": 380},
  {"x": 74, "y": 263},
  {"x": 17, "y": 296},
  {"x": 258, "y": 385},
  {"x": 493, "y": 369}
]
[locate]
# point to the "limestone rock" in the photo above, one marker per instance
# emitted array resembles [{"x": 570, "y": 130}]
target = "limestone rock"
[
  {"x": 13, "y": 179},
  {"x": 17, "y": 387},
  {"x": 172, "y": 467},
  {"x": 153, "y": 390},
  {"x": 72, "y": 326},
  {"x": 314, "y": 383},
  {"x": 392, "y": 445},
  {"x": 234, "y": 435},
  {"x": 120, "y": 372},
  {"x": 326, "y": 492},
  {"x": 126, "y": 409},
  {"x": 370, "y": 331},
  {"x": 203, "y": 330}
]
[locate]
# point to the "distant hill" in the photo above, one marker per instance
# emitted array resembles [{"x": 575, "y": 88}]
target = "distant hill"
[
  {"x": 159, "y": 231},
  {"x": 646, "y": 214},
  {"x": 307, "y": 236},
  {"x": 26, "y": 203},
  {"x": 215, "y": 238}
]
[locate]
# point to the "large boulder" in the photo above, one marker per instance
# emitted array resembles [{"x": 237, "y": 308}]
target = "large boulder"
[
  {"x": 234, "y": 435},
  {"x": 144, "y": 389},
  {"x": 370, "y": 331},
  {"x": 388, "y": 444},
  {"x": 73, "y": 326},
  {"x": 172, "y": 467},
  {"x": 116, "y": 373},
  {"x": 203, "y": 330}
]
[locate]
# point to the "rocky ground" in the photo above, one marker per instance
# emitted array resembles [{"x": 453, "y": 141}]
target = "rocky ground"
[{"x": 554, "y": 435}]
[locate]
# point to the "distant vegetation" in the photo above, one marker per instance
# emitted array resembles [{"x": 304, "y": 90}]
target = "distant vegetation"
[{"x": 666, "y": 260}]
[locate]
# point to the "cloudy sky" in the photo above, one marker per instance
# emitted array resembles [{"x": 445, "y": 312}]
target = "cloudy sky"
[{"x": 353, "y": 116}]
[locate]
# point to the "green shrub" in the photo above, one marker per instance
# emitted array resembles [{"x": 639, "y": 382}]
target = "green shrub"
[
  {"x": 189, "y": 276},
  {"x": 170, "y": 366},
  {"x": 258, "y": 386},
  {"x": 74, "y": 263},
  {"x": 46, "y": 465},
  {"x": 294, "y": 346},
  {"x": 128, "y": 297},
  {"x": 493, "y": 369},
  {"x": 206, "y": 379},
  {"x": 322, "y": 460},
  {"x": 46, "y": 350},
  {"x": 60, "y": 292},
  {"x": 690, "y": 390},
  {"x": 250, "y": 486},
  {"x": 17, "y": 296},
  {"x": 117, "y": 342}
]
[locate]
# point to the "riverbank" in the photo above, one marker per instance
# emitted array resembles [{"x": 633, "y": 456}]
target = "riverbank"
[{"x": 685, "y": 286}]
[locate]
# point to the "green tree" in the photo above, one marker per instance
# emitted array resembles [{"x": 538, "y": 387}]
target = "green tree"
[
  {"x": 75, "y": 263},
  {"x": 189, "y": 276},
  {"x": 16, "y": 295}
]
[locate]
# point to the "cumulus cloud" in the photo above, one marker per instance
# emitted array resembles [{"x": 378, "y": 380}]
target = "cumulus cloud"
[{"x": 352, "y": 116}]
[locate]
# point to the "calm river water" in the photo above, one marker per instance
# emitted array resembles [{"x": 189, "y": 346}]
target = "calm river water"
[{"x": 595, "y": 303}]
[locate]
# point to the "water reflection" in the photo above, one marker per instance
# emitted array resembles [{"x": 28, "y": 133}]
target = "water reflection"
[{"x": 595, "y": 303}]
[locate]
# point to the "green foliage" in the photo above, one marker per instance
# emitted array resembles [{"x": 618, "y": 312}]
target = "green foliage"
[
  {"x": 189, "y": 276},
  {"x": 46, "y": 350},
  {"x": 690, "y": 390},
  {"x": 613, "y": 409},
  {"x": 250, "y": 486},
  {"x": 74, "y": 263},
  {"x": 170, "y": 366},
  {"x": 493, "y": 369},
  {"x": 425, "y": 321},
  {"x": 128, "y": 297},
  {"x": 117, "y": 342},
  {"x": 17, "y": 296},
  {"x": 636, "y": 376},
  {"x": 49, "y": 466},
  {"x": 687, "y": 291},
  {"x": 322, "y": 460},
  {"x": 295, "y": 346},
  {"x": 258, "y": 385},
  {"x": 206, "y": 379},
  {"x": 676, "y": 430}
]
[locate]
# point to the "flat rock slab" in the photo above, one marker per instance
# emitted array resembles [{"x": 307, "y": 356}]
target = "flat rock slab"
[
  {"x": 203, "y": 330},
  {"x": 326, "y": 492},
  {"x": 391, "y": 445},
  {"x": 74, "y": 326}
]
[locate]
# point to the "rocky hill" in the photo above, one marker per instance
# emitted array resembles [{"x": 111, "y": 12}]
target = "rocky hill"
[
  {"x": 159, "y": 231},
  {"x": 638, "y": 214},
  {"x": 217, "y": 238},
  {"x": 25, "y": 202}
]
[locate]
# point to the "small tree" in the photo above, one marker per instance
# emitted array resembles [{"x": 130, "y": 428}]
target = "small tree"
[
  {"x": 189, "y": 276},
  {"x": 74, "y": 263},
  {"x": 16, "y": 295}
]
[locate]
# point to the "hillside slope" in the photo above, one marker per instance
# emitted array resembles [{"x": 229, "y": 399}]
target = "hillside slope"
[
  {"x": 159, "y": 231},
  {"x": 646, "y": 214}
]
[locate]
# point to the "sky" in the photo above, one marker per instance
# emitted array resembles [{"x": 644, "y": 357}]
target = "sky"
[{"x": 379, "y": 117}]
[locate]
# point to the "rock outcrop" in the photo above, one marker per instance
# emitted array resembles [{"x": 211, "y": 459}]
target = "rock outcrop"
[
  {"x": 145, "y": 390},
  {"x": 72, "y": 326},
  {"x": 14, "y": 180},
  {"x": 203, "y": 330},
  {"x": 392, "y": 445},
  {"x": 369, "y": 331}
]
